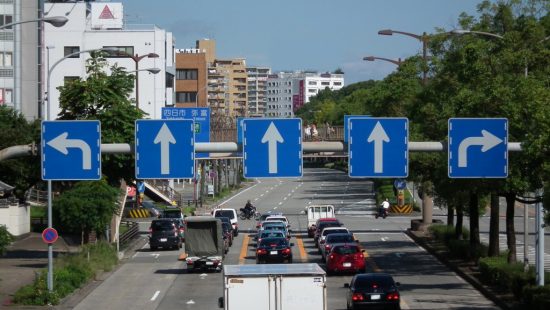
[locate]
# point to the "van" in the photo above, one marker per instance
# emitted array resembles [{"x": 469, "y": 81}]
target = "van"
[
  {"x": 232, "y": 215},
  {"x": 316, "y": 212}
]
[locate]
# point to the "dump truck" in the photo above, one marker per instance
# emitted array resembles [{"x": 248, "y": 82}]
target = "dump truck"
[
  {"x": 204, "y": 243},
  {"x": 274, "y": 287}
]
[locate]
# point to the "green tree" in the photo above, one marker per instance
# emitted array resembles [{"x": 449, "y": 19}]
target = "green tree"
[
  {"x": 86, "y": 207},
  {"x": 22, "y": 173},
  {"x": 5, "y": 239},
  {"x": 105, "y": 97}
]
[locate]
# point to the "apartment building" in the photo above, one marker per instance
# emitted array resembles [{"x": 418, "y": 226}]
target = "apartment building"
[
  {"x": 233, "y": 71},
  {"x": 20, "y": 58},
  {"x": 191, "y": 78},
  {"x": 95, "y": 25},
  {"x": 257, "y": 87}
]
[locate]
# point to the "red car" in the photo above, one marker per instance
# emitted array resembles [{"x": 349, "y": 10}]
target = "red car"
[{"x": 345, "y": 258}]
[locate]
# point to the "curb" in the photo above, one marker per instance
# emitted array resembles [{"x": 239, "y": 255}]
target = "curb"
[{"x": 486, "y": 291}]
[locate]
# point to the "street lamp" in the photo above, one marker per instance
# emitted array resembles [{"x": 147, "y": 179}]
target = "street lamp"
[
  {"x": 50, "y": 245},
  {"x": 137, "y": 58},
  {"x": 56, "y": 21},
  {"x": 422, "y": 38},
  {"x": 397, "y": 62}
]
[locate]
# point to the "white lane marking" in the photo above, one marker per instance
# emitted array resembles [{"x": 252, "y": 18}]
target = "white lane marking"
[
  {"x": 411, "y": 240},
  {"x": 280, "y": 203},
  {"x": 190, "y": 302},
  {"x": 275, "y": 208},
  {"x": 230, "y": 198},
  {"x": 203, "y": 275},
  {"x": 255, "y": 199},
  {"x": 285, "y": 198},
  {"x": 384, "y": 239},
  {"x": 292, "y": 191},
  {"x": 135, "y": 254},
  {"x": 288, "y": 195},
  {"x": 155, "y": 296},
  {"x": 460, "y": 279},
  {"x": 156, "y": 255}
]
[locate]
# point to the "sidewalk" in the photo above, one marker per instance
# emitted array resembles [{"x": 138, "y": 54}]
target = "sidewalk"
[{"x": 23, "y": 261}]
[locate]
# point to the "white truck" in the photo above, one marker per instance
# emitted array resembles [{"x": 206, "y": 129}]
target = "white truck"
[
  {"x": 315, "y": 212},
  {"x": 274, "y": 287}
]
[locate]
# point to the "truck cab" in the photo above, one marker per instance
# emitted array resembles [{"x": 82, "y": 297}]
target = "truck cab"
[{"x": 315, "y": 212}]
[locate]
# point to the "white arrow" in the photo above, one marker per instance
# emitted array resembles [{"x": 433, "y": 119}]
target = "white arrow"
[
  {"x": 487, "y": 142},
  {"x": 378, "y": 135},
  {"x": 61, "y": 143},
  {"x": 164, "y": 137},
  {"x": 272, "y": 136},
  {"x": 156, "y": 255}
]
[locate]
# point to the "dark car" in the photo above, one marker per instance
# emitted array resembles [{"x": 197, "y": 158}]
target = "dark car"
[
  {"x": 345, "y": 258},
  {"x": 164, "y": 233},
  {"x": 228, "y": 232},
  {"x": 326, "y": 222},
  {"x": 274, "y": 250},
  {"x": 367, "y": 290},
  {"x": 172, "y": 214}
]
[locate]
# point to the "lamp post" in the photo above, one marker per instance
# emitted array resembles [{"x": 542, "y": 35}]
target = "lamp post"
[
  {"x": 422, "y": 38},
  {"x": 539, "y": 217},
  {"x": 56, "y": 21},
  {"x": 137, "y": 58},
  {"x": 50, "y": 245},
  {"x": 397, "y": 62}
]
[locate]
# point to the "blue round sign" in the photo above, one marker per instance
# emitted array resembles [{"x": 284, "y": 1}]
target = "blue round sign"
[
  {"x": 400, "y": 184},
  {"x": 49, "y": 235}
]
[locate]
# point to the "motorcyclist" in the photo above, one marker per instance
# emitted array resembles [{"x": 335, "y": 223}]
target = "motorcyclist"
[
  {"x": 384, "y": 206},
  {"x": 249, "y": 208}
]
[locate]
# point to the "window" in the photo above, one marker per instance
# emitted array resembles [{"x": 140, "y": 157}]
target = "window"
[
  {"x": 325, "y": 83},
  {"x": 69, "y": 79},
  {"x": 67, "y": 50},
  {"x": 8, "y": 95},
  {"x": 312, "y": 83},
  {"x": 187, "y": 74},
  {"x": 6, "y": 19},
  {"x": 6, "y": 59},
  {"x": 337, "y": 83},
  {"x": 186, "y": 97},
  {"x": 121, "y": 51}
]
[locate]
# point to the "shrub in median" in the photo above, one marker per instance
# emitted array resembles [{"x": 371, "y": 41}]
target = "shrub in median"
[
  {"x": 70, "y": 273},
  {"x": 537, "y": 297}
]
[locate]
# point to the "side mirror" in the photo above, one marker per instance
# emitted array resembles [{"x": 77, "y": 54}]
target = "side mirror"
[
  {"x": 363, "y": 251},
  {"x": 346, "y": 285},
  {"x": 397, "y": 284},
  {"x": 220, "y": 302},
  {"x": 357, "y": 241}
]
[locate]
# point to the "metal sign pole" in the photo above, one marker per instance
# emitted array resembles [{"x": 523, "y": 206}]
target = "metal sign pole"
[{"x": 539, "y": 222}]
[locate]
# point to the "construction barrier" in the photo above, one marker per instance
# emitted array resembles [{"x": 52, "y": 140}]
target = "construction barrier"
[
  {"x": 401, "y": 209},
  {"x": 138, "y": 213}
]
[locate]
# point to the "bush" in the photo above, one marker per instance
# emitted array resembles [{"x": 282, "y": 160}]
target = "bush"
[
  {"x": 445, "y": 233},
  {"x": 5, "y": 239},
  {"x": 537, "y": 297},
  {"x": 70, "y": 273}
]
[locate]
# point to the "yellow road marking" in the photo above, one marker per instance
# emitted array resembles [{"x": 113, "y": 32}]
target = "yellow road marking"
[
  {"x": 371, "y": 262},
  {"x": 300, "y": 242},
  {"x": 244, "y": 249}
]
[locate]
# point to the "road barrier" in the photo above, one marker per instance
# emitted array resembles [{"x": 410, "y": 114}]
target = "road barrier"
[
  {"x": 406, "y": 209},
  {"x": 138, "y": 213}
]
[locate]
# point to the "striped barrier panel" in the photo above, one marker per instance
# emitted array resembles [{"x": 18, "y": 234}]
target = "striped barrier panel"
[
  {"x": 139, "y": 213},
  {"x": 401, "y": 209}
]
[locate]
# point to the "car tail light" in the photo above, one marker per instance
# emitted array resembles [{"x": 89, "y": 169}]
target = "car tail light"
[
  {"x": 261, "y": 252},
  {"x": 286, "y": 251},
  {"x": 393, "y": 296},
  {"x": 327, "y": 247},
  {"x": 182, "y": 229},
  {"x": 175, "y": 232},
  {"x": 331, "y": 256},
  {"x": 357, "y": 297},
  {"x": 359, "y": 256}
]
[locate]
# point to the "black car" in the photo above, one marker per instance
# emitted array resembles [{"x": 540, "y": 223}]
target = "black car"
[
  {"x": 164, "y": 233},
  {"x": 367, "y": 290},
  {"x": 275, "y": 249}
]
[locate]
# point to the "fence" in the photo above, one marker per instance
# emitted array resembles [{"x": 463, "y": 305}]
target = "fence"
[
  {"x": 130, "y": 233},
  {"x": 230, "y": 134}
]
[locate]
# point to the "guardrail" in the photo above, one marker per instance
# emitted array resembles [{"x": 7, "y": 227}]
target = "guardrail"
[{"x": 131, "y": 233}]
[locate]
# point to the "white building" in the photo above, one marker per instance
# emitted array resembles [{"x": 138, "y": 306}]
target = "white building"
[
  {"x": 257, "y": 86},
  {"x": 289, "y": 91},
  {"x": 98, "y": 25}
]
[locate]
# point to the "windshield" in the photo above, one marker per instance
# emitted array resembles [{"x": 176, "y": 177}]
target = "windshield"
[
  {"x": 176, "y": 214},
  {"x": 225, "y": 213},
  {"x": 343, "y": 250},
  {"x": 339, "y": 238},
  {"x": 162, "y": 225}
]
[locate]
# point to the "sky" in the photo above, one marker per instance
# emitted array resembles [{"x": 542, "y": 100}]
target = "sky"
[{"x": 318, "y": 35}]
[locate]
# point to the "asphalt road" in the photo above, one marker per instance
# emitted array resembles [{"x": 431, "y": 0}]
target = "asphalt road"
[{"x": 157, "y": 280}]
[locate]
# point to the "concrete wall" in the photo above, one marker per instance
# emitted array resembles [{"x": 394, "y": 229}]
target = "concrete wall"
[{"x": 17, "y": 218}]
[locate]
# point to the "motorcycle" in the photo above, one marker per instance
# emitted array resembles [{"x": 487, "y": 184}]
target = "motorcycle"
[
  {"x": 381, "y": 212},
  {"x": 244, "y": 215}
]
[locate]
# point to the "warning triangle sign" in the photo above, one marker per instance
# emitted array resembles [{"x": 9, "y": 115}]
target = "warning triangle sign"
[{"x": 106, "y": 13}]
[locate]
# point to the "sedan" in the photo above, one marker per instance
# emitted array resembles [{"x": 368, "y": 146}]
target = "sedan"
[
  {"x": 274, "y": 249},
  {"x": 345, "y": 258},
  {"x": 333, "y": 239},
  {"x": 269, "y": 234},
  {"x": 372, "y": 289}
]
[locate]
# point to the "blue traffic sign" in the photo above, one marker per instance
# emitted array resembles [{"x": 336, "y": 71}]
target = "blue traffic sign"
[
  {"x": 201, "y": 117},
  {"x": 272, "y": 147},
  {"x": 478, "y": 148},
  {"x": 378, "y": 147},
  {"x": 71, "y": 150},
  {"x": 400, "y": 184},
  {"x": 346, "y": 125},
  {"x": 164, "y": 149},
  {"x": 240, "y": 130}
]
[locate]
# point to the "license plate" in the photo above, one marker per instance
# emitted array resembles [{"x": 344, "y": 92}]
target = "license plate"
[
  {"x": 347, "y": 264},
  {"x": 163, "y": 239},
  {"x": 210, "y": 263},
  {"x": 273, "y": 252},
  {"x": 374, "y": 297}
]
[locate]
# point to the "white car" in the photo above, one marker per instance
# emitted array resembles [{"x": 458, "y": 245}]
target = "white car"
[
  {"x": 232, "y": 215},
  {"x": 281, "y": 218},
  {"x": 330, "y": 230}
]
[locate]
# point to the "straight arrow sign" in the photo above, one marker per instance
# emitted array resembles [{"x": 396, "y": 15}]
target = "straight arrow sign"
[
  {"x": 164, "y": 138},
  {"x": 272, "y": 137},
  {"x": 378, "y": 136}
]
